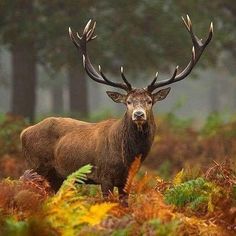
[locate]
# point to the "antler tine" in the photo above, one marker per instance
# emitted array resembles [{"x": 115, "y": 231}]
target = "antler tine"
[
  {"x": 153, "y": 82},
  {"x": 81, "y": 44},
  {"x": 210, "y": 34},
  {"x": 113, "y": 83},
  {"x": 175, "y": 73},
  {"x": 78, "y": 36},
  {"x": 150, "y": 87},
  {"x": 195, "y": 40},
  {"x": 124, "y": 78},
  {"x": 73, "y": 38},
  {"x": 91, "y": 32},
  {"x": 103, "y": 76},
  {"x": 86, "y": 28},
  {"x": 197, "y": 50}
]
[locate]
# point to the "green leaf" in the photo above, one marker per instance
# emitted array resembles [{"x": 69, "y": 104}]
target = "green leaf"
[{"x": 78, "y": 176}]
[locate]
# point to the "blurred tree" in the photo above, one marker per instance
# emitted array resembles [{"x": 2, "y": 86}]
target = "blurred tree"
[
  {"x": 19, "y": 31},
  {"x": 78, "y": 91},
  {"x": 53, "y": 81},
  {"x": 139, "y": 34},
  {"x": 58, "y": 51}
]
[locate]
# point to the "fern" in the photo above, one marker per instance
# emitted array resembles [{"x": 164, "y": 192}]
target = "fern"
[
  {"x": 184, "y": 193},
  {"x": 195, "y": 193},
  {"x": 68, "y": 210},
  {"x": 178, "y": 179},
  {"x": 160, "y": 228},
  {"x": 64, "y": 209},
  {"x": 134, "y": 168},
  {"x": 121, "y": 232},
  {"x": 199, "y": 201},
  {"x": 13, "y": 227},
  {"x": 96, "y": 213},
  {"x": 78, "y": 176}
]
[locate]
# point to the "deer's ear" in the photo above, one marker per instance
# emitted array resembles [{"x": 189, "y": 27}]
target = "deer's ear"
[
  {"x": 116, "y": 97},
  {"x": 160, "y": 95}
]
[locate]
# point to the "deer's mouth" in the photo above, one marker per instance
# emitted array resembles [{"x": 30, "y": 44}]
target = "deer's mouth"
[{"x": 139, "y": 122}]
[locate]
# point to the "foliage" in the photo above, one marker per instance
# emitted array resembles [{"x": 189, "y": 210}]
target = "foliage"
[
  {"x": 176, "y": 123},
  {"x": 132, "y": 172},
  {"x": 29, "y": 227},
  {"x": 11, "y": 163},
  {"x": 178, "y": 179},
  {"x": 190, "y": 146},
  {"x": 199, "y": 207},
  {"x": 212, "y": 124},
  {"x": 68, "y": 210},
  {"x": 25, "y": 196},
  {"x": 96, "y": 213},
  {"x": 101, "y": 115},
  {"x": 10, "y": 129},
  {"x": 197, "y": 193},
  {"x": 13, "y": 227},
  {"x": 158, "y": 228}
]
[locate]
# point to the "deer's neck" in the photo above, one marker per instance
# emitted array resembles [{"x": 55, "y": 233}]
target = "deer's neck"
[{"x": 136, "y": 140}]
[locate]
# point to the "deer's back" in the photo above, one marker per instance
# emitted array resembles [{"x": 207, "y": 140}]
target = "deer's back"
[{"x": 60, "y": 136}]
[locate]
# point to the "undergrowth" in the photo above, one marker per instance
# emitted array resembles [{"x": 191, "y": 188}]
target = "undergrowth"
[{"x": 200, "y": 205}]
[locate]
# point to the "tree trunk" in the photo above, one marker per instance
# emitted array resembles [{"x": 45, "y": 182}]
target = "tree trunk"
[
  {"x": 78, "y": 92},
  {"x": 24, "y": 80},
  {"x": 57, "y": 99}
]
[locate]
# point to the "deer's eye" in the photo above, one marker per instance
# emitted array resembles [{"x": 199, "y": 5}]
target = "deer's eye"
[
  {"x": 149, "y": 102},
  {"x": 129, "y": 102}
]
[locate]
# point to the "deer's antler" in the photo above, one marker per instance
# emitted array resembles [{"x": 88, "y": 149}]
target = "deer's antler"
[
  {"x": 81, "y": 44},
  {"x": 197, "y": 50}
]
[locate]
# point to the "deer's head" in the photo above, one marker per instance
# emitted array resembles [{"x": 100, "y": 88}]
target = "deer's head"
[{"x": 139, "y": 102}]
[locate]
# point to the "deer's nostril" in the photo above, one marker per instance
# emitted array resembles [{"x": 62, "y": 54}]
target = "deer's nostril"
[{"x": 139, "y": 114}]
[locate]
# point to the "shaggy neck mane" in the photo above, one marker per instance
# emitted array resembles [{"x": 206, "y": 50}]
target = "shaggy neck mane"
[{"x": 136, "y": 140}]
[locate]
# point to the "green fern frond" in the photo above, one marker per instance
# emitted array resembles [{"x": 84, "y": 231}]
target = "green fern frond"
[
  {"x": 196, "y": 193},
  {"x": 185, "y": 192},
  {"x": 199, "y": 201},
  {"x": 78, "y": 176},
  {"x": 161, "y": 228},
  {"x": 13, "y": 227},
  {"x": 68, "y": 205}
]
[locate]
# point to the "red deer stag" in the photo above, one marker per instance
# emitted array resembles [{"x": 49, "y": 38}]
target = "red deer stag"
[{"x": 56, "y": 147}]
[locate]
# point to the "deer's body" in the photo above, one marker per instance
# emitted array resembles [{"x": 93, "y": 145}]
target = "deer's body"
[
  {"x": 60, "y": 146},
  {"x": 56, "y": 147}
]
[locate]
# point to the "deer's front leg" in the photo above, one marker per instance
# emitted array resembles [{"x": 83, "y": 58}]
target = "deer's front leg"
[
  {"x": 123, "y": 196},
  {"x": 107, "y": 188}
]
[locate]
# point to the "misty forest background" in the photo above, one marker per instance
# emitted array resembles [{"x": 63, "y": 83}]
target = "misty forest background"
[
  {"x": 41, "y": 72},
  {"x": 187, "y": 184}
]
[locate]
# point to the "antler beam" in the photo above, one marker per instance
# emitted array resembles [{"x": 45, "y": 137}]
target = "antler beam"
[{"x": 197, "y": 50}]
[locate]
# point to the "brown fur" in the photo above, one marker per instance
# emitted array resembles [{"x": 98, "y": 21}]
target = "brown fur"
[{"x": 56, "y": 147}]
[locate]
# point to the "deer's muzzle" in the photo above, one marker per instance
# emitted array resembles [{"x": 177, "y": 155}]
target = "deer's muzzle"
[{"x": 139, "y": 115}]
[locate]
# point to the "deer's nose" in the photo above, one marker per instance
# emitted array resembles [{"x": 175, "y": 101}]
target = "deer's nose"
[{"x": 139, "y": 115}]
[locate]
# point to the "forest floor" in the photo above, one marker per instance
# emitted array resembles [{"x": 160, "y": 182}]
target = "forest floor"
[{"x": 190, "y": 191}]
